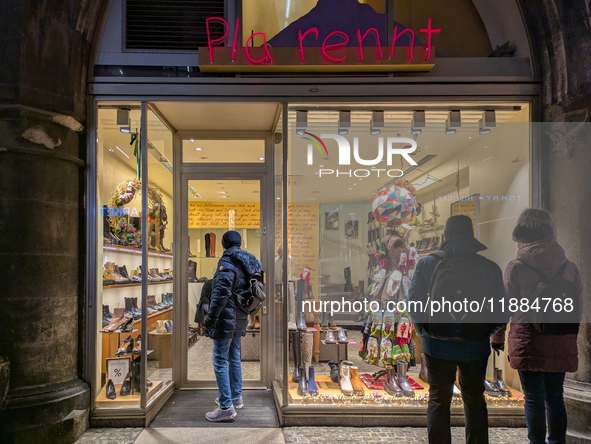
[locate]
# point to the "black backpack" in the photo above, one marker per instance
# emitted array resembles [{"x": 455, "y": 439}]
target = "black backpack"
[
  {"x": 455, "y": 278},
  {"x": 251, "y": 299},
  {"x": 546, "y": 319}
]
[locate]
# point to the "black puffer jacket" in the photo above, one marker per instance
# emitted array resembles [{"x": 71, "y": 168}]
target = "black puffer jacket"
[{"x": 234, "y": 265}]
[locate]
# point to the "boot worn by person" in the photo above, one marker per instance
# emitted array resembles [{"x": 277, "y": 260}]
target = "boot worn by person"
[
  {"x": 356, "y": 382},
  {"x": 296, "y": 348},
  {"x": 403, "y": 383},
  {"x": 110, "y": 392},
  {"x": 342, "y": 337},
  {"x": 312, "y": 387},
  {"x": 390, "y": 385},
  {"x": 303, "y": 382},
  {"x": 345, "y": 378},
  {"x": 334, "y": 370}
]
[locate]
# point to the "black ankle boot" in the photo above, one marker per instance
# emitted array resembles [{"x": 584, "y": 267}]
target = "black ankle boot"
[
  {"x": 296, "y": 347},
  {"x": 137, "y": 313},
  {"x": 303, "y": 383},
  {"x": 107, "y": 316},
  {"x": 334, "y": 371}
]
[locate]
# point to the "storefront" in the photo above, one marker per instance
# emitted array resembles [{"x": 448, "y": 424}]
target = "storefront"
[{"x": 315, "y": 171}]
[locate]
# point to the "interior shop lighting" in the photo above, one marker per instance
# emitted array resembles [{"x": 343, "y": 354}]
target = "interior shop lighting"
[
  {"x": 488, "y": 122},
  {"x": 344, "y": 122},
  {"x": 417, "y": 123},
  {"x": 377, "y": 123},
  {"x": 301, "y": 122},
  {"x": 121, "y": 151},
  {"x": 123, "y": 120},
  {"x": 454, "y": 121}
]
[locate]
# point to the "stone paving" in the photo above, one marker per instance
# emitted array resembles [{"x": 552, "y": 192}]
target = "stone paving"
[
  {"x": 126, "y": 435},
  {"x": 352, "y": 435},
  {"x": 305, "y": 435}
]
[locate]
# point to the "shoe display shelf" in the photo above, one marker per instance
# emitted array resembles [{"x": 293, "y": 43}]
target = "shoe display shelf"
[
  {"x": 134, "y": 250},
  {"x": 135, "y": 284},
  {"x": 327, "y": 387},
  {"x": 133, "y": 399},
  {"x": 425, "y": 229},
  {"x": 111, "y": 341}
]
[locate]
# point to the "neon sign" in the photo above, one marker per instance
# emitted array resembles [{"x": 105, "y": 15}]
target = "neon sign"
[{"x": 332, "y": 55}]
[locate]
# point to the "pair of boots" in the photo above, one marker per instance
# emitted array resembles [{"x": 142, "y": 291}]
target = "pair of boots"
[
  {"x": 397, "y": 382},
  {"x": 498, "y": 386},
  {"x": 341, "y": 337},
  {"x": 302, "y": 345},
  {"x": 254, "y": 322},
  {"x": 348, "y": 377},
  {"x": 131, "y": 308},
  {"x": 327, "y": 322},
  {"x": 307, "y": 386},
  {"x": 112, "y": 272}
]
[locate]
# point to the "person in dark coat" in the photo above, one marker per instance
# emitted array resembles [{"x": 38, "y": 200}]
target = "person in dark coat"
[
  {"x": 226, "y": 323},
  {"x": 541, "y": 359},
  {"x": 443, "y": 358}
]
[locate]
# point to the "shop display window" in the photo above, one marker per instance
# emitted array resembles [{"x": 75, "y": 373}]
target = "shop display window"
[
  {"x": 134, "y": 331},
  {"x": 370, "y": 190}
]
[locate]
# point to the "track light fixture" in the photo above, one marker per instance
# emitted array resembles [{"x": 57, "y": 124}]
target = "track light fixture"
[
  {"x": 488, "y": 122},
  {"x": 344, "y": 122},
  {"x": 417, "y": 123},
  {"x": 123, "y": 120},
  {"x": 301, "y": 122},
  {"x": 454, "y": 121},
  {"x": 377, "y": 123}
]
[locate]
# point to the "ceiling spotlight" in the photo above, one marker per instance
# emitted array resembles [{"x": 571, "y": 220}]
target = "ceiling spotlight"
[
  {"x": 418, "y": 122},
  {"x": 488, "y": 122},
  {"x": 454, "y": 121},
  {"x": 301, "y": 122},
  {"x": 123, "y": 120},
  {"x": 344, "y": 122},
  {"x": 377, "y": 123}
]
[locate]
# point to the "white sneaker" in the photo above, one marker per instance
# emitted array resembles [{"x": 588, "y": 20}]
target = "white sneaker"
[
  {"x": 238, "y": 403},
  {"x": 221, "y": 415}
]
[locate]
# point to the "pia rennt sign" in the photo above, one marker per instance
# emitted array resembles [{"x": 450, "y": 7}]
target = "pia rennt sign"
[{"x": 332, "y": 56}]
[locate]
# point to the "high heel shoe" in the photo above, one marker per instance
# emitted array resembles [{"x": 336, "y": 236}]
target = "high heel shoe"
[
  {"x": 127, "y": 327},
  {"x": 126, "y": 386},
  {"x": 125, "y": 349},
  {"x": 110, "y": 390},
  {"x": 138, "y": 348}
]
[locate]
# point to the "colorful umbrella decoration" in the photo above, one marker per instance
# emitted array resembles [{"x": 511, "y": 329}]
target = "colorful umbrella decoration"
[{"x": 393, "y": 206}]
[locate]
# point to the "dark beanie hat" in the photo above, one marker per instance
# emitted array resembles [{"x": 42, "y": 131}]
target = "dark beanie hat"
[
  {"x": 459, "y": 225},
  {"x": 231, "y": 239},
  {"x": 533, "y": 225}
]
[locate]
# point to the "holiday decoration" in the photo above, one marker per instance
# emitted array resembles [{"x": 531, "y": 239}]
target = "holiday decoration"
[{"x": 392, "y": 206}]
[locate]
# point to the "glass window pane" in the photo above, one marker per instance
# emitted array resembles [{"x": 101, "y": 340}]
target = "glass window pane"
[{"x": 223, "y": 151}]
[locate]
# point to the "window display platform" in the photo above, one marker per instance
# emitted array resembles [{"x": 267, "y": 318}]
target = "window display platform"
[{"x": 131, "y": 399}]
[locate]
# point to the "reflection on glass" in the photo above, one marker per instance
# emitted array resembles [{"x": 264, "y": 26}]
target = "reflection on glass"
[
  {"x": 223, "y": 151},
  {"x": 216, "y": 206}
]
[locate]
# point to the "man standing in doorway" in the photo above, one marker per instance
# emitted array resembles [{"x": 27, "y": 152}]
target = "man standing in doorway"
[
  {"x": 469, "y": 355},
  {"x": 226, "y": 324}
]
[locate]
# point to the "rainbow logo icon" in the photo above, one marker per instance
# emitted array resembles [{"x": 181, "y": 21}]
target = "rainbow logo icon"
[{"x": 317, "y": 142}]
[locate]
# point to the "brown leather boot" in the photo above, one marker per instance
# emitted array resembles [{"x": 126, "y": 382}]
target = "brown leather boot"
[
  {"x": 118, "y": 320},
  {"x": 212, "y": 244},
  {"x": 356, "y": 382}
]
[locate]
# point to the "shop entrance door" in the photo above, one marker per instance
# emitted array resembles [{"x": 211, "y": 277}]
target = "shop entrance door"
[{"x": 215, "y": 198}]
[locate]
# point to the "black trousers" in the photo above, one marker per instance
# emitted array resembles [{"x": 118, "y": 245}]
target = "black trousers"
[{"x": 442, "y": 375}]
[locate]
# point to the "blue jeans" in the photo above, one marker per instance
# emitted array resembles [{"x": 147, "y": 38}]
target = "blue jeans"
[
  {"x": 228, "y": 372},
  {"x": 544, "y": 403}
]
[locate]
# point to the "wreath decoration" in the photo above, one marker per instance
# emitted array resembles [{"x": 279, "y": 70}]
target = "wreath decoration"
[{"x": 123, "y": 194}]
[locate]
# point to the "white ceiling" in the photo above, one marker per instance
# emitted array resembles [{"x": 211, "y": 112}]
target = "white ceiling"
[{"x": 305, "y": 185}]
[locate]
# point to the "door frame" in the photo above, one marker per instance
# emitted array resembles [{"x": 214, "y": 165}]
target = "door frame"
[{"x": 264, "y": 172}]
